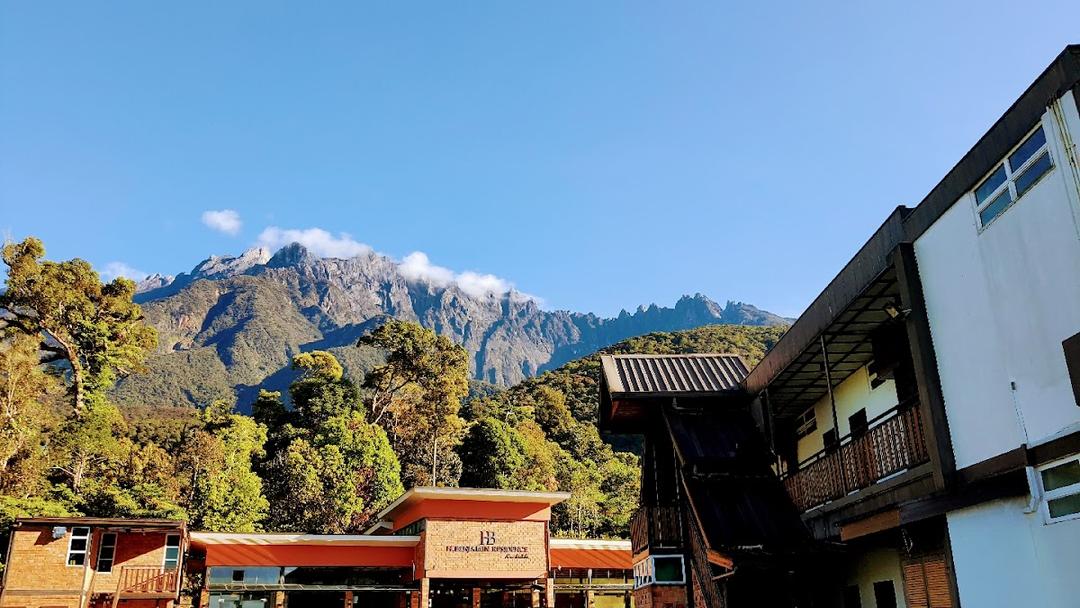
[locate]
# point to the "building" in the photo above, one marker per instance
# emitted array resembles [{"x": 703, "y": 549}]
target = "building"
[
  {"x": 922, "y": 414},
  {"x": 433, "y": 547},
  {"x": 74, "y": 562}
]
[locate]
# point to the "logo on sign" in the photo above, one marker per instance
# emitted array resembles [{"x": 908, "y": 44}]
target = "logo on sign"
[{"x": 487, "y": 537}]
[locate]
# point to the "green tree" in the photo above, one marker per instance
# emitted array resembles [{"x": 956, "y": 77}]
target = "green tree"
[
  {"x": 25, "y": 417},
  {"x": 226, "y": 495},
  {"x": 416, "y": 396},
  {"x": 328, "y": 468},
  {"x": 95, "y": 328},
  {"x": 492, "y": 454}
]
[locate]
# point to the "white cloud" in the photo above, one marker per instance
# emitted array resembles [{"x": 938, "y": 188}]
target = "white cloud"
[
  {"x": 225, "y": 221},
  {"x": 316, "y": 240},
  {"x": 120, "y": 269},
  {"x": 417, "y": 267}
]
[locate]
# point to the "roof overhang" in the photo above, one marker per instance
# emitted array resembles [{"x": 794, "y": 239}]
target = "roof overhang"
[
  {"x": 102, "y": 522},
  {"x": 421, "y": 494},
  {"x": 339, "y": 540}
]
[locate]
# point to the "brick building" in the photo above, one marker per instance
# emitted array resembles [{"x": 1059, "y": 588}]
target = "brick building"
[
  {"x": 77, "y": 562},
  {"x": 433, "y": 547}
]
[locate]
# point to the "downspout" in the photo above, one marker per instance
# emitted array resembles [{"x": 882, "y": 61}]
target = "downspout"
[
  {"x": 835, "y": 418},
  {"x": 1072, "y": 159}
]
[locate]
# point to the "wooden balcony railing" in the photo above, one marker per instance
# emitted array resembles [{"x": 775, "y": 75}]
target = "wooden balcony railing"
[
  {"x": 893, "y": 443},
  {"x": 655, "y": 527},
  {"x": 148, "y": 581}
]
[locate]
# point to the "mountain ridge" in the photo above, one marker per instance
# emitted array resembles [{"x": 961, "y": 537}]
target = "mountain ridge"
[{"x": 233, "y": 322}]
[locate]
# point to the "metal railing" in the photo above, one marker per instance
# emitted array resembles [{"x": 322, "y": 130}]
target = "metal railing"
[
  {"x": 655, "y": 527},
  {"x": 893, "y": 443}
]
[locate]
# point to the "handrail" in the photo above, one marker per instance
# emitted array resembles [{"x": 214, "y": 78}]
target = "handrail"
[
  {"x": 894, "y": 443},
  {"x": 148, "y": 580},
  {"x": 846, "y": 439}
]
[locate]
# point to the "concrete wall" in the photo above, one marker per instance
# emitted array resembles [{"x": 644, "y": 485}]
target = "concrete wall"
[
  {"x": 1000, "y": 302},
  {"x": 851, "y": 395},
  {"x": 875, "y": 565},
  {"x": 1004, "y": 557}
]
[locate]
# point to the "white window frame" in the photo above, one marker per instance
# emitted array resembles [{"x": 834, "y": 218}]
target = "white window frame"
[
  {"x": 85, "y": 551},
  {"x": 1009, "y": 183},
  {"x": 102, "y": 546},
  {"x": 645, "y": 571},
  {"x": 1047, "y": 496},
  {"x": 806, "y": 427},
  {"x": 165, "y": 554}
]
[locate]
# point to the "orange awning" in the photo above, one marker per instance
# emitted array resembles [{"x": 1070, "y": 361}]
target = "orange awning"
[{"x": 591, "y": 554}]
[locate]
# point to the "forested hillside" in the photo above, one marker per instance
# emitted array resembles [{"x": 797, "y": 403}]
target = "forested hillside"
[{"x": 323, "y": 457}]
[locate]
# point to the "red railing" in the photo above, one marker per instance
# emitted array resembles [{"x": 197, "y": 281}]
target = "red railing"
[
  {"x": 148, "y": 580},
  {"x": 655, "y": 527},
  {"x": 893, "y": 443}
]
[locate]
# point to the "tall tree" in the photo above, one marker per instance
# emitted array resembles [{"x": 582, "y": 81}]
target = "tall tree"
[
  {"x": 226, "y": 495},
  {"x": 94, "y": 327},
  {"x": 25, "y": 417},
  {"x": 328, "y": 468},
  {"x": 416, "y": 395}
]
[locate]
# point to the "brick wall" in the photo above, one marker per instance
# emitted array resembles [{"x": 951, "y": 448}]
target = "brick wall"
[
  {"x": 455, "y": 548},
  {"x": 660, "y": 596},
  {"x": 38, "y": 574}
]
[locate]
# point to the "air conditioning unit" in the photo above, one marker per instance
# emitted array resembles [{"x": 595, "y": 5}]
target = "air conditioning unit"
[{"x": 59, "y": 532}]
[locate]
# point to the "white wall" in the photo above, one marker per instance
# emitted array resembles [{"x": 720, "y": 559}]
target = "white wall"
[
  {"x": 851, "y": 395},
  {"x": 1004, "y": 557},
  {"x": 873, "y": 566},
  {"x": 1000, "y": 303}
]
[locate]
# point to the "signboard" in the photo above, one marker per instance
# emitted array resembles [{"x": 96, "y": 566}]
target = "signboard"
[{"x": 485, "y": 549}]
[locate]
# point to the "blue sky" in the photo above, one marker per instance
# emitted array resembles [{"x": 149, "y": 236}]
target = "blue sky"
[{"x": 599, "y": 155}]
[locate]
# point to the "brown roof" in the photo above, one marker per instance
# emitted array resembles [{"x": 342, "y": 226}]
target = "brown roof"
[
  {"x": 112, "y": 522},
  {"x": 672, "y": 374}
]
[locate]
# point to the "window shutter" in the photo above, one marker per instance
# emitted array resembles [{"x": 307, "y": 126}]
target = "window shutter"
[{"x": 926, "y": 583}]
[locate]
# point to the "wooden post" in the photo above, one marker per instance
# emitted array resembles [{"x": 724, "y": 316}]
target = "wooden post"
[
  {"x": 590, "y": 598},
  {"x": 277, "y": 597},
  {"x": 535, "y": 597},
  {"x": 931, "y": 401},
  {"x": 348, "y": 599},
  {"x": 476, "y": 597},
  {"x": 549, "y": 592}
]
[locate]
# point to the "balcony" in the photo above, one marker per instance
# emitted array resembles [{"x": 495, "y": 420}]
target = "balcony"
[
  {"x": 147, "y": 582},
  {"x": 656, "y": 528},
  {"x": 894, "y": 442}
]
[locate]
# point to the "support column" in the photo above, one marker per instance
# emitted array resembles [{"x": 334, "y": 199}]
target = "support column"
[
  {"x": 590, "y": 598},
  {"x": 535, "y": 597},
  {"x": 476, "y": 597},
  {"x": 278, "y": 599},
  {"x": 424, "y": 596},
  {"x": 931, "y": 400},
  {"x": 549, "y": 592},
  {"x": 204, "y": 598},
  {"x": 348, "y": 599}
]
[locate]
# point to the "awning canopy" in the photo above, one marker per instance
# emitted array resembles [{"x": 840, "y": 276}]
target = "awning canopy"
[{"x": 597, "y": 555}]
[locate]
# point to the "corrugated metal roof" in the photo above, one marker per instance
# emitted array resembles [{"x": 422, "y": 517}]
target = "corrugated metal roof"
[{"x": 673, "y": 374}]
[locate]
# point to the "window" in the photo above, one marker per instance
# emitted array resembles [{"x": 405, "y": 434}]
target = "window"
[
  {"x": 78, "y": 545},
  {"x": 806, "y": 423},
  {"x": 857, "y": 424},
  {"x": 1013, "y": 177},
  {"x": 831, "y": 440},
  {"x": 659, "y": 570},
  {"x": 885, "y": 594},
  {"x": 106, "y": 552},
  {"x": 1061, "y": 489},
  {"x": 172, "y": 551}
]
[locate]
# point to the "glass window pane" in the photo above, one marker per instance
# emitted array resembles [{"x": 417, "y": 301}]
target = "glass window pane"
[
  {"x": 1026, "y": 149},
  {"x": 991, "y": 184},
  {"x": 78, "y": 544},
  {"x": 1062, "y": 475},
  {"x": 76, "y": 559},
  {"x": 1033, "y": 173},
  {"x": 1060, "y": 507},
  {"x": 995, "y": 208},
  {"x": 668, "y": 569},
  {"x": 172, "y": 541}
]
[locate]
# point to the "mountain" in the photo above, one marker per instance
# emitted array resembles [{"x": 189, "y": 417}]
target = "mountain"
[{"x": 234, "y": 322}]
